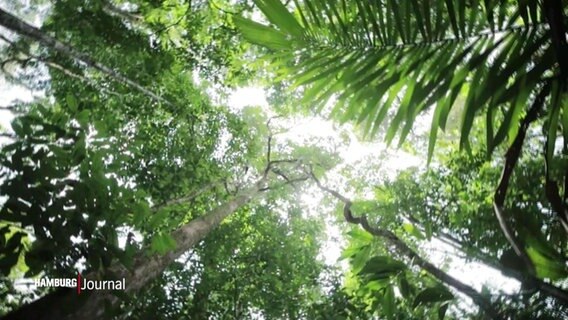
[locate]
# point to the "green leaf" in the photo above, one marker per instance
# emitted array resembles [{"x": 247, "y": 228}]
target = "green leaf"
[
  {"x": 72, "y": 103},
  {"x": 381, "y": 267},
  {"x": 8, "y": 261},
  {"x": 546, "y": 267},
  {"x": 359, "y": 259},
  {"x": 564, "y": 106},
  {"x": 434, "y": 131},
  {"x": 162, "y": 243},
  {"x": 452, "y": 14},
  {"x": 553, "y": 123},
  {"x": 350, "y": 252},
  {"x": 141, "y": 211},
  {"x": 442, "y": 311},
  {"x": 361, "y": 236},
  {"x": 277, "y": 14},
  {"x": 431, "y": 295},
  {"x": 157, "y": 218},
  {"x": 83, "y": 118},
  {"x": 412, "y": 230},
  {"x": 17, "y": 127},
  {"x": 404, "y": 286},
  {"x": 389, "y": 303},
  {"x": 262, "y": 35}
]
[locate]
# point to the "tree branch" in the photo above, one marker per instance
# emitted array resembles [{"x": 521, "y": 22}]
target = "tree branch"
[
  {"x": 402, "y": 248},
  {"x": 553, "y": 194},
  {"x": 17, "y": 25},
  {"x": 132, "y": 17},
  {"x": 511, "y": 158},
  {"x": 189, "y": 197},
  {"x": 553, "y": 11},
  {"x": 546, "y": 288}
]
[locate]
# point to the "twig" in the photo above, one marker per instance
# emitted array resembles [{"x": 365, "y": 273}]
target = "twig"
[
  {"x": 5, "y": 39},
  {"x": 7, "y": 135},
  {"x": 280, "y": 173},
  {"x": 56, "y": 66},
  {"x": 178, "y": 21},
  {"x": 78, "y": 76},
  {"x": 212, "y": 2}
]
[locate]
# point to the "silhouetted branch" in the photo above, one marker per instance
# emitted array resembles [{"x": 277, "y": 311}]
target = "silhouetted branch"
[
  {"x": 511, "y": 158},
  {"x": 402, "y": 248},
  {"x": 553, "y": 11}
]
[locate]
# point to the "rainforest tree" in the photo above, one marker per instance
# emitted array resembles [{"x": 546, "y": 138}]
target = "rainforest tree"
[{"x": 133, "y": 167}]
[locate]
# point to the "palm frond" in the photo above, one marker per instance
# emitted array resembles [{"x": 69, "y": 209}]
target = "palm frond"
[{"x": 370, "y": 56}]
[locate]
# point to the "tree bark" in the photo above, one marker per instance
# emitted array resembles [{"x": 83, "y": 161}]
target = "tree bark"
[
  {"x": 65, "y": 304},
  {"x": 553, "y": 11},
  {"x": 19, "y": 26}
]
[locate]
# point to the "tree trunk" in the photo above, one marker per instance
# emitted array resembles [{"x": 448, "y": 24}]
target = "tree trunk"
[
  {"x": 19, "y": 26},
  {"x": 65, "y": 304}
]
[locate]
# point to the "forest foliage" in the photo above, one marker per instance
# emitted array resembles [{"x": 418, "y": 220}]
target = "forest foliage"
[{"x": 130, "y": 162}]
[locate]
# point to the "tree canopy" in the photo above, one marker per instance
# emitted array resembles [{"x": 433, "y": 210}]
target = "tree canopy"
[{"x": 128, "y": 160}]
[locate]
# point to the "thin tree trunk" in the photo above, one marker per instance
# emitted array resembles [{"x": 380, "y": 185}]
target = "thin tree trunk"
[
  {"x": 19, "y": 26},
  {"x": 144, "y": 270}
]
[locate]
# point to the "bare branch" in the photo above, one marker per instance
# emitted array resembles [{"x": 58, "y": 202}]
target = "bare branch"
[
  {"x": 270, "y": 136},
  {"x": 7, "y": 135},
  {"x": 56, "y": 66},
  {"x": 216, "y": 6},
  {"x": 280, "y": 173},
  {"x": 5, "y": 39},
  {"x": 166, "y": 28},
  {"x": 132, "y": 17},
  {"x": 291, "y": 182}
]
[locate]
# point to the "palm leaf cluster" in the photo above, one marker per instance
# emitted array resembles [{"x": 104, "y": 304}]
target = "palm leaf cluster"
[{"x": 387, "y": 59}]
